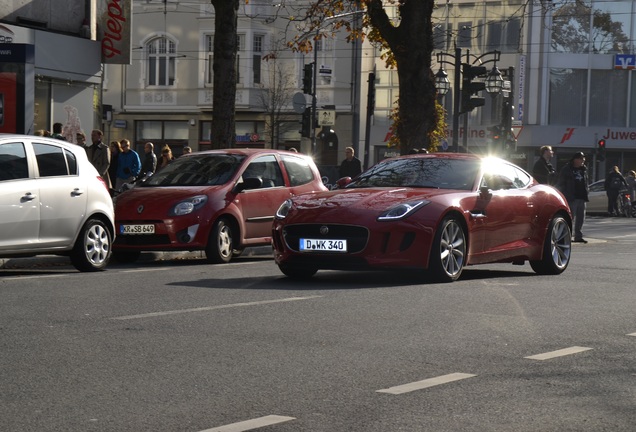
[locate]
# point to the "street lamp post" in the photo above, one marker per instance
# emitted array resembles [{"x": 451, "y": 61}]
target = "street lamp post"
[{"x": 493, "y": 85}]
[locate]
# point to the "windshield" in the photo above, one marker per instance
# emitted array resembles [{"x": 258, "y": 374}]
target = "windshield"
[
  {"x": 426, "y": 172},
  {"x": 197, "y": 170}
]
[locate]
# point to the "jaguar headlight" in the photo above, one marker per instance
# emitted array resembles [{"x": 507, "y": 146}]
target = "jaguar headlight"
[
  {"x": 284, "y": 208},
  {"x": 189, "y": 205},
  {"x": 402, "y": 210}
]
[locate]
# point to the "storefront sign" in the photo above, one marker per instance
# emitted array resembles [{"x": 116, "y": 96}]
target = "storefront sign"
[
  {"x": 624, "y": 61},
  {"x": 114, "y": 25}
]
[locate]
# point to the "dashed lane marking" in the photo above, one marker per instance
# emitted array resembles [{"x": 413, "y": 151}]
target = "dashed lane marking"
[
  {"x": 431, "y": 382},
  {"x": 251, "y": 424},
  {"x": 558, "y": 353},
  {"x": 631, "y": 334},
  {"x": 211, "y": 308}
]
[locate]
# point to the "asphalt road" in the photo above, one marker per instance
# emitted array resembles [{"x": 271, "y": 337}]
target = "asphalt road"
[{"x": 177, "y": 345}]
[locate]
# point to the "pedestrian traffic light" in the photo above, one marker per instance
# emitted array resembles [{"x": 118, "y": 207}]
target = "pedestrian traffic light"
[
  {"x": 308, "y": 78},
  {"x": 470, "y": 87},
  {"x": 601, "y": 150},
  {"x": 305, "y": 123}
]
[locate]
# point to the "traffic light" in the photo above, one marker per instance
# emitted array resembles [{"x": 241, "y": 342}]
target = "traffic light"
[
  {"x": 470, "y": 87},
  {"x": 601, "y": 150},
  {"x": 305, "y": 123},
  {"x": 308, "y": 78},
  {"x": 495, "y": 138}
]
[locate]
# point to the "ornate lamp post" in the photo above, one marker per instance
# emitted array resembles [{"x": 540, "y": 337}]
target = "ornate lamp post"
[{"x": 493, "y": 85}]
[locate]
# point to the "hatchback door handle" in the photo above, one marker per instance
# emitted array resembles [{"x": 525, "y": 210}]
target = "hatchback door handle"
[
  {"x": 29, "y": 196},
  {"x": 77, "y": 192}
]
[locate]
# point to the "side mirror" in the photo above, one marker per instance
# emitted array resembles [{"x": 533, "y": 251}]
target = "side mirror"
[
  {"x": 342, "y": 182},
  {"x": 484, "y": 192},
  {"x": 248, "y": 183}
]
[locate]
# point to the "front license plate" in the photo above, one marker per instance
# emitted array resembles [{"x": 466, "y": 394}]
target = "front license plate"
[
  {"x": 316, "y": 245},
  {"x": 137, "y": 229}
]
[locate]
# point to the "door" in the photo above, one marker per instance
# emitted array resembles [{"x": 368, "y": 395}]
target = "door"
[
  {"x": 63, "y": 195},
  {"x": 258, "y": 206},
  {"x": 19, "y": 199}
]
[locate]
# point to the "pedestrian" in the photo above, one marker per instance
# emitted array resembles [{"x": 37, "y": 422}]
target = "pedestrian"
[
  {"x": 614, "y": 182},
  {"x": 350, "y": 166},
  {"x": 115, "y": 151},
  {"x": 166, "y": 157},
  {"x": 149, "y": 165},
  {"x": 57, "y": 131},
  {"x": 128, "y": 165},
  {"x": 543, "y": 171},
  {"x": 99, "y": 155},
  {"x": 80, "y": 137},
  {"x": 187, "y": 150},
  {"x": 573, "y": 184}
]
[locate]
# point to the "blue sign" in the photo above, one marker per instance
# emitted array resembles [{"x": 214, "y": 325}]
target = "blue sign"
[{"x": 625, "y": 61}]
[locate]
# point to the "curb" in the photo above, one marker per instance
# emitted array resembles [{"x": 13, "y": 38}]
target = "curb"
[{"x": 59, "y": 260}]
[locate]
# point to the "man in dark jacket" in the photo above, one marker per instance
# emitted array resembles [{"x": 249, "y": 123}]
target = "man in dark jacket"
[
  {"x": 149, "y": 165},
  {"x": 351, "y": 165},
  {"x": 573, "y": 183},
  {"x": 543, "y": 172}
]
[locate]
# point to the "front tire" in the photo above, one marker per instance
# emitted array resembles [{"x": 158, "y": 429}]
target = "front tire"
[
  {"x": 557, "y": 249},
  {"x": 448, "y": 254},
  {"x": 221, "y": 243},
  {"x": 92, "y": 249}
]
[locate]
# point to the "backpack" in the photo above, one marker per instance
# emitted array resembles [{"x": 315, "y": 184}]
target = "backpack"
[{"x": 615, "y": 183}]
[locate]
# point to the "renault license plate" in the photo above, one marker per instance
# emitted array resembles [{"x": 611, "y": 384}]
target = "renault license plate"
[
  {"x": 137, "y": 229},
  {"x": 322, "y": 245}
]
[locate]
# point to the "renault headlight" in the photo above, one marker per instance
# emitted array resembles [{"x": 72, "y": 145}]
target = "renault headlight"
[{"x": 189, "y": 205}]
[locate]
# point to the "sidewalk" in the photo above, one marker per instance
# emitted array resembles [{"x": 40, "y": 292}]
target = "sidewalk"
[{"x": 57, "y": 261}]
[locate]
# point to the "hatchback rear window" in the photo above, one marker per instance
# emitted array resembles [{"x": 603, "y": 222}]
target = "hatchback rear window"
[{"x": 197, "y": 170}]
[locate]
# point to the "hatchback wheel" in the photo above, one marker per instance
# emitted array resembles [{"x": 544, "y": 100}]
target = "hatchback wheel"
[
  {"x": 92, "y": 249},
  {"x": 557, "y": 248},
  {"x": 220, "y": 243},
  {"x": 448, "y": 254}
]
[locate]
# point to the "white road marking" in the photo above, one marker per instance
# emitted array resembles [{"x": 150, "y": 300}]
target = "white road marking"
[
  {"x": 419, "y": 385},
  {"x": 251, "y": 424},
  {"x": 631, "y": 334},
  {"x": 558, "y": 353},
  {"x": 210, "y": 308}
]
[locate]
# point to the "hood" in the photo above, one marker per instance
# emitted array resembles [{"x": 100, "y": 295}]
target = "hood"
[
  {"x": 360, "y": 201},
  {"x": 159, "y": 200}
]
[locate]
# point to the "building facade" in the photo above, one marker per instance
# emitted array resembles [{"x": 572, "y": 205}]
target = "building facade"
[
  {"x": 573, "y": 81},
  {"x": 164, "y": 95},
  {"x": 50, "y": 67}
]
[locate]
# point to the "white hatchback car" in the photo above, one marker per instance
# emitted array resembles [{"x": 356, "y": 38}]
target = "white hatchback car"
[{"x": 53, "y": 201}]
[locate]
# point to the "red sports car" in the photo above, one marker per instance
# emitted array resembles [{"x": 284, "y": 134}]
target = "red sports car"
[
  {"x": 439, "y": 212},
  {"x": 218, "y": 201}
]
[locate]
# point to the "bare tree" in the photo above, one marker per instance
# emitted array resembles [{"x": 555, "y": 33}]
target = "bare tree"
[{"x": 275, "y": 98}]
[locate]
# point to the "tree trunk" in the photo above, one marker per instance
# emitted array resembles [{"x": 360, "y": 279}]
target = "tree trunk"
[
  {"x": 224, "y": 67},
  {"x": 412, "y": 45}
]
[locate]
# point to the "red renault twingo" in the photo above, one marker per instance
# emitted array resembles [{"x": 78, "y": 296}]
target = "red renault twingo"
[{"x": 218, "y": 201}]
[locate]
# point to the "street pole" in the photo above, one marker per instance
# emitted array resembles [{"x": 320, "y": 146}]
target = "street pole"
[
  {"x": 456, "y": 98},
  {"x": 312, "y": 120}
]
